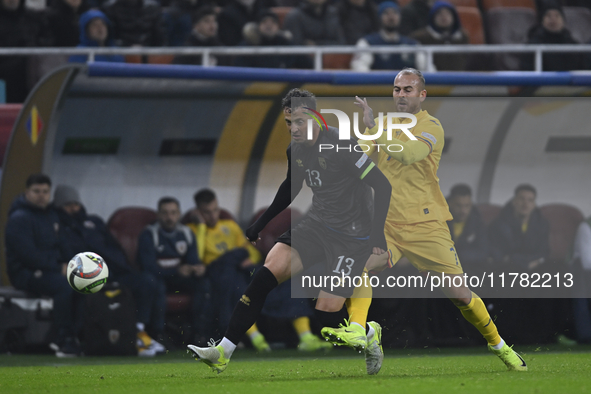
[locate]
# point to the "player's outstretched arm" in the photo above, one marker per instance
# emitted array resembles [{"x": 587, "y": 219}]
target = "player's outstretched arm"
[
  {"x": 382, "y": 193},
  {"x": 283, "y": 198}
]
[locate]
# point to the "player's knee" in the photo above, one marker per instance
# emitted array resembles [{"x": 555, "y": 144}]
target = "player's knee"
[{"x": 330, "y": 304}]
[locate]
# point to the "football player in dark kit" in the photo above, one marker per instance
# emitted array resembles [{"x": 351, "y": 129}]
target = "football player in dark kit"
[{"x": 338, "y": 231}]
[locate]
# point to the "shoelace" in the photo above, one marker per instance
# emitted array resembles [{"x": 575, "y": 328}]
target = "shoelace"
[
  {"x": 347, "y": 323},
  {"x": 213, "y": 343}
]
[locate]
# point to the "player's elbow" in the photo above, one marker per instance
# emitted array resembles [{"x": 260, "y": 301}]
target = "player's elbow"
[{"x": 407, "y": 159}]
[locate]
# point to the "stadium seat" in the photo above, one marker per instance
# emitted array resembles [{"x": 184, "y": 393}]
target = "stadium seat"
[
  {"x": 337, "y": 61},
  {"x": 126, "y": 224},
  {"x": 472, "y": 22},
  {"x": 281, "y": 12},
  {"x": 280, "y": 224},
  {"x": 8, "y": 115},
  {"x": 578, "y": 21},
  {"x": 509, "y": 26},
  {"x": 488, "y": 212},
  {"x": 133, "y": 58},
  {"x": 160, "y": 59},
  {"x": 564, "y": 221},
  {"x": 490, "y": 4},
  {"x": 464, "y": 3},
  {"x": 402, "y": 3}
]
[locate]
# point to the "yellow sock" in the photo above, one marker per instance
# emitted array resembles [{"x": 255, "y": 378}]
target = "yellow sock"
[
  {"x": 358, "y": 304},
  {"x": 253, "y": 330},
  {"x": 302, "y": 325},
  {"x": 475, "y": 312}
]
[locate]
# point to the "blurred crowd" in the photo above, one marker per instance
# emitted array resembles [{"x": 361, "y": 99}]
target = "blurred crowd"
[{"x": 206, "y": 23}]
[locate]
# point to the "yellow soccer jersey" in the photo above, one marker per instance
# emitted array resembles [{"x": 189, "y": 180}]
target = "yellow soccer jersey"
[
  {"x": 416, "y": 196},
  {"x": 216, "y": 241}
]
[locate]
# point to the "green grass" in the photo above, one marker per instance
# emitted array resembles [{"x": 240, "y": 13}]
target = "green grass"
[{"x": 472, "y": 370}]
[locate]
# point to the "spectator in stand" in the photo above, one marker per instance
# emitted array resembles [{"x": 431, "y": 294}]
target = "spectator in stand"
[
  {"x": 315, "y": 22},
  {"x": 167, "y": 251},
  {"x": 204, "y": 34},
  {"x": 63, "y": 17},
  {"x": 444, "y": 29},
  {"x": 136, "y": 22},
  {"x": 177, "y": 21},
  {"x": 36, "y": 259},
  {"x": 582, "y": 302},
  {"x": 358, "y": 18},
  {"x": 237, "y": 14},
  {"x": 95, "y": 32},
  {"x": 519, "y": 237},
  {"x": 415, "y": 16},
  {"x": 389, "y": 14},
  {"x": 467, "y": 229},
  {"x": 82, "y": 232},
  {"x": 19, "y": 28},
  {"x": 267, "y": 33},
  {"x": 551, "y": 29}
]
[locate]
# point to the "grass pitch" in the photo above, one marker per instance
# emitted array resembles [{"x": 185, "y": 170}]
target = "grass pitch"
[{"x": 551, "y": 370}]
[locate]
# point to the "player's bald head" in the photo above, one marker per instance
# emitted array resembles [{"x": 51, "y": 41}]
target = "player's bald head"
[{"x": 415, "y": 75}]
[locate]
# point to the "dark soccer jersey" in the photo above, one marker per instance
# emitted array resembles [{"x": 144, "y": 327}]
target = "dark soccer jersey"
[{"x": 342, "y": 201}]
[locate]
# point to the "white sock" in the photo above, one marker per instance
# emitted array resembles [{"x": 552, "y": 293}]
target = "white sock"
[
  {"x": 499, "y": 346},
  {"x": 370, "y": 332},
  {"x": 140, "y": 326},
  {"x": 228, "y": 347}
]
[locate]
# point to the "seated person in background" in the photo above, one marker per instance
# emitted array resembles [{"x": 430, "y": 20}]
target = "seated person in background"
[
  {"x": 444, "y": 29},
  {"x": 177, "y": 20},
  {"x": 230, "y": 258},
  {"x": 389, "y": 14},
  {"x": 551, "y": 29},
  {"x": 520, "y": 235},
  {"x": 36, "y": 259},
  {"x": 314, "y": 22},
  {"x": 467, "y": 228},
  {"x": 137, "y": 22},
  {"x": 582, "y": 305},
  {"x": 63, "y": 18},
  {"x": 94, "y": 32},
  {"x": 235, "y": 15},
  {"x": 166, "y": 250},
  {"x": 358, "y": 18},
  {"x": 88, "y": 233},
  {"x": 415, "y": 16},
  {"x": 266, "y": 32},
  {"x": 203, "y": 34}
]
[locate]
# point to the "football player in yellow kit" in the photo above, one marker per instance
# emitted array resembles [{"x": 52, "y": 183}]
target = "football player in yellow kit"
[{"x": 416, "y": 223}]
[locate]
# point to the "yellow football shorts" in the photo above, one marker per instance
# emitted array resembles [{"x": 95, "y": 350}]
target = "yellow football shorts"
[{"x": 427, "y": 245}]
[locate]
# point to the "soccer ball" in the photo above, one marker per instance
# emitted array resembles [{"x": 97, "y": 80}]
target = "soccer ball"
[{"x": 87, "y": 272}]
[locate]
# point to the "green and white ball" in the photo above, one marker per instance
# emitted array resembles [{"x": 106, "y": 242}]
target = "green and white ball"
[{"x": 87, "y": 272}]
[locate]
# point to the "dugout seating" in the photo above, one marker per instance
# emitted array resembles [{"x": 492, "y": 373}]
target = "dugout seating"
[
  {"x": 126, "y": 224},
  {"x": 488, "y": 212},
  {"x": 578, "y": 21},
  {"x": 564, "y": 221},
  {"x": 191, "y": 216},
  {"x": 280, "y": 224}
]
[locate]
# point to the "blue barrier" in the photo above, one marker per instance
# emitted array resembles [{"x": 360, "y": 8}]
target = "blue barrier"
[{"x": 506, "y": 78}]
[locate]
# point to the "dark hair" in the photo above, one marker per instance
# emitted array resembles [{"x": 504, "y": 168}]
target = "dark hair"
[
  {"x": 525, "y": 187},
  {"x": 414, "y": 71},
  {"x": 267, "y": 13},
  {"x": 38, "y": 179},
  {"x": 460, "y": 190},
  {"x": 202, "y": 13},
  {"x": 168, "y": 200},
  {"x": 204, "y": 196},
  {"x": 305, "y": 99}
]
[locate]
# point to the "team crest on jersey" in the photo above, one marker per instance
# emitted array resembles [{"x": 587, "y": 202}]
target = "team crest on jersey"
[
  {"x": 225, "y": 230},
  {"x": 181, "y": 247},
  {"x": 322, "y": 163},
  {"x": 300, "y": 164},
  {"x": 89, "y": 224}
]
